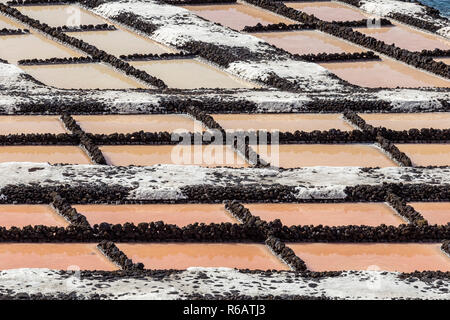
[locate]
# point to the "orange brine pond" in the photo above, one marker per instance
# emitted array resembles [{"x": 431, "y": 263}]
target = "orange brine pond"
[
  {"x": 327, "y": 214},
  {"x": 307, "y": 42},
  {"x": 386, "y": 73},
  {"x": 236, "y": 16},
  {"x": 202, "y": 155},
  {"x": 31, "y": 124},
  {"x": 82, "y": 76},
  {"x": 17, "y": 47},
  {"x": 178, "y": 73},
  {"x": 328, "y": 11},
  {"x": 433, "y": 212},
  {"x": 334, "y": 155},
  {"x": 61, "y": 15},
  {"x": 283, "y": 122},
  {"x": 178, "y": 214},
  {"x": 51, "y": 154},
  {"x": 24, "y": 215},
  {"x": 429, "y": 154},
  {"x": 108, "y": 124},
  {"x": 58, "y": 256},
  {"x": 130, "y": 43},
  {"x": 401, "y": 257},
  {"x": 407, "y": 38},
  {"x": 185, "y": 255},
  {"x": 406, "y": 121}
]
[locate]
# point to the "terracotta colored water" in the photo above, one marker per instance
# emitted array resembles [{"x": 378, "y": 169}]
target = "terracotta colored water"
[
  {"x": 82, "y": 76},
  {"x": 24, "y": 215},
  {"x": 133, "y": 123},
  {"x": 309, "y": 155},
  {"x": 60, "y": 15},
  {"x": 185, "y": 255},
  {"x": 307, "y": 42},
  {"x": 433, "y": 154},
  {"x": 17, "y": 47},
  {"x": 51, "y": 154},
  {"x": 58, "y": 256},
  {"x": 406, "y": 38},
  {"x": 387, "y": 73},
  {"x": 283, "y": 122},
  {"x": 208, "y": 156},
  {"x": 10, "y": 23},
  {"x": 31, "y": 124},
  {"x": 178, "y": 214},
  {"x": 405, "y": 121},
  {"x": 236, "y": 16},
  {"x": 179, "y": 74},
  {"x": 444, "y": 60},
  {"x": 129, "y": 42},
  {"x": 434, "y": 212},
  {"x": 328, "y": 11},
  {"x": 402, "y": 257},
  {"x": 327, "y": 214}
]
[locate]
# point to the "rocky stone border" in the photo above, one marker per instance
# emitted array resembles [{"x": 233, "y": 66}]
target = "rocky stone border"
[
  {"x": 406, "y": 211},
  {"x": 87, "y": 27},
  {"x": 446, "y": 247},
  {"x": 117, "y": 256},
  {"x": 39, "y": 2},
  {"x": 242, "y": 213},
  {"x": 71, "y": 60},
  {"x": 286, "y": 254},
  {"x": 151, "y": 56},
  {"x": 434, "y": 53},
  {"x": 37, "y": 194},
  {"x": 279, "y": 27},
  {"x": 361, "y": 23},
  {"x": 85, "y": 141},
  {"x": 399, "y": 156},
  {"x": 39, "y": 233},
  {"x": 85, "y": 47},
  {"x": 68, "y": 212},
  {"x": 39, "y": 139},
  {"x": 335, "y": 57},
  {"x": 367, "y": 234},
  {"x": 13, "y": 32},
  {"x": 419, "y": 23}
]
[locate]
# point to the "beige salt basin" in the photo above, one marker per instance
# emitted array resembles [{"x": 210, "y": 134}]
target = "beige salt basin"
[
  {"x": 61, "y": 15},
  {"x": 179, "y": 73},
  {"x": 328, "y": 11},
  {"x": 31, "y": 124},
  {"x": 433, "y": 212},
  {"x": 406, "y": 38},
  {"x": 334, "y": 155},
  {"x": 119, "y": 42},
  {"x": 51, "y": 154},
  {"x": 210, "y": 255},
  {"x": 82, "y": 76},
  {"x": 236, "y": 16},
  {"x": 18, "y": 215},
  {"x": 99, "y": 124},
  {"x": 433, "y": 154},
  {"x": 327, "y": 214},
  {"x": 7, "y": 23},
  {"x": 406, "y": 121},
  {"x": 57, "y": 256},
  {"x": 401, "y": 257},
  {"x": 178, "y": 214},
  {"x": 307, "y": 42},
  {"x": 386, "y": 73},
  {"x": 282, "y": 122},
  {"x": 202, "y": 155},
  {"x": 18, "y": 47}
]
